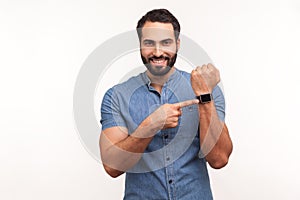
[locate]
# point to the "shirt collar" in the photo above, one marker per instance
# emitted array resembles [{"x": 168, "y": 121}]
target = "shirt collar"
[{"x": 147, "y": 80}]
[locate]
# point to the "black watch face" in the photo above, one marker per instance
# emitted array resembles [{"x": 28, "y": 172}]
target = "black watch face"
[{"x": 205, "y": 98}]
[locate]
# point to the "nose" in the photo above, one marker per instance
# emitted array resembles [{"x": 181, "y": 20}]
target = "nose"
[{"x": 157, "y": 51}]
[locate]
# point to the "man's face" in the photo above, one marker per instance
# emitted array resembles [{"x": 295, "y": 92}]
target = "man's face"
[{"x": 158, "y": 47}]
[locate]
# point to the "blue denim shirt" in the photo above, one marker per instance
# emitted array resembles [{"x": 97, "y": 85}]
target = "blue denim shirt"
[{"x": 171, "y": 166}]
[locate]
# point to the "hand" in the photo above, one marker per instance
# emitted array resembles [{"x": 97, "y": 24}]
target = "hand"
[
  {"x": 167, "y": 115},
  {"x": 204, "y": 79}
]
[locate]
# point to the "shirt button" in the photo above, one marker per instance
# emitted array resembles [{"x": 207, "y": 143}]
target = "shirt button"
[
  {"x": 166, "y": 136},
  {"x": 168, "y": 158},
  {"x": 170, "y": 181}
]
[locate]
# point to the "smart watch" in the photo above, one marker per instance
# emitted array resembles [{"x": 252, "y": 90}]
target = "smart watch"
[{"x": 204, "y": 98}]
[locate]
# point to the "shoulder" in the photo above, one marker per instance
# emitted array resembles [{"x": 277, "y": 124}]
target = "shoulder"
[
  {"x": 219, "y": 100},
  {"x": 122, "y": 91},
  {"x": 218, "y": 93},
  {"x": 184, "y": 74},
  {"x": 126, "y": 85}
]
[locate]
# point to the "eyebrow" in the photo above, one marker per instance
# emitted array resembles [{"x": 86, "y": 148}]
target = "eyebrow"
[
  {"x": 167, "y": 40},
  {"x": 148, "y": 40},
  {"x": 164, "y": 40}
]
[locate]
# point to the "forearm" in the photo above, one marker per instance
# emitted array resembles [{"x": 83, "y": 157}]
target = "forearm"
[
  {"x": 215, "y": 142},
  {"x": 124, "y": 154},
  {"x": 120, "y": 151}
]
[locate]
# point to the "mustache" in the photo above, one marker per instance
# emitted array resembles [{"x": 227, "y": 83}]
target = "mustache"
[{"x": 160, "y": 57}]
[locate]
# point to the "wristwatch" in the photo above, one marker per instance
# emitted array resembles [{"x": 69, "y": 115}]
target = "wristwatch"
[{"x": 204, "y": 98}]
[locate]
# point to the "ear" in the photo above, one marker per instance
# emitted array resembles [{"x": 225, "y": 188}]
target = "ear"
[{"x": 178, "y": 43}]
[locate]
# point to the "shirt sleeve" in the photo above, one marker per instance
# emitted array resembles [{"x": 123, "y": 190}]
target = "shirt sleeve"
[
  {"x": 110, "y": 111},
  {"x": 219, "y": 101}
]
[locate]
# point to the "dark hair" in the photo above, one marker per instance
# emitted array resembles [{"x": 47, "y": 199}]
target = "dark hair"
[{"x": 159, "y": 15}]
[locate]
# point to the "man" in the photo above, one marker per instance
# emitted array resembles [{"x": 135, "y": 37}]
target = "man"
[{"x": 153, "y": 125}]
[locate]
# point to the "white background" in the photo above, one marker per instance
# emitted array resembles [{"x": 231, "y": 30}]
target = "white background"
[{"x": 43, "y": 44}]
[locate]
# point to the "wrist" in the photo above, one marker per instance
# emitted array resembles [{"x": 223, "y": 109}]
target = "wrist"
[{"x": 201, "y": 92}]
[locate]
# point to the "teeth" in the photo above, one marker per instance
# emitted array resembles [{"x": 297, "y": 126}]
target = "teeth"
[{"x": 158, "y": 61}]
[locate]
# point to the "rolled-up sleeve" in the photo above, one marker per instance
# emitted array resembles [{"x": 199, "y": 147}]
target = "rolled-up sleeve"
[{"x": 110, "y": 111}]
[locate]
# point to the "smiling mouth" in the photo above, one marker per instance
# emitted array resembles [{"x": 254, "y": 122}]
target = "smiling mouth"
[{"x": 159, "y": 60}]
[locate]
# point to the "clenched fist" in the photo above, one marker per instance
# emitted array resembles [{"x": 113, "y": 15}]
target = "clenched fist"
[{"x": 204, "y": 79}]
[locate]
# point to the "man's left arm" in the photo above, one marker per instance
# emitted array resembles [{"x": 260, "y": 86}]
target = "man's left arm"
[{"x": 215, "y": 142}]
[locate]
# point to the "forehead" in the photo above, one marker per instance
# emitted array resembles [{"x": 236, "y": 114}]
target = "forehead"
[{"x": 157, "y": 31}]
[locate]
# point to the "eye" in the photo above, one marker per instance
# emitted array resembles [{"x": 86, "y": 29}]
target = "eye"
[
  {"x": 148, "y": 43},
  {"x": 166, "y": 42}
]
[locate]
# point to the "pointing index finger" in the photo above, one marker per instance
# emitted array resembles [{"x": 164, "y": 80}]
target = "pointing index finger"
[{"x": 187, "y": 103}]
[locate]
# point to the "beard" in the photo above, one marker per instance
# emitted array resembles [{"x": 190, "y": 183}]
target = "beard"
[{"x": 157, "y": 69}]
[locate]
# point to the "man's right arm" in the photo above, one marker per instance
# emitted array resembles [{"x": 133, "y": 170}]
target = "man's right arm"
[{"x": 120, "y": 151}]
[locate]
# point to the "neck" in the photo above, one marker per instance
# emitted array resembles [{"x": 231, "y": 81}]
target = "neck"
[{"x": 158, "y": 81}]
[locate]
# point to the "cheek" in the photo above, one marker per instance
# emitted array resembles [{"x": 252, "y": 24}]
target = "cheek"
[
  {"x": 170, "y": 49},
  {"x": 145, "y": 51}
]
